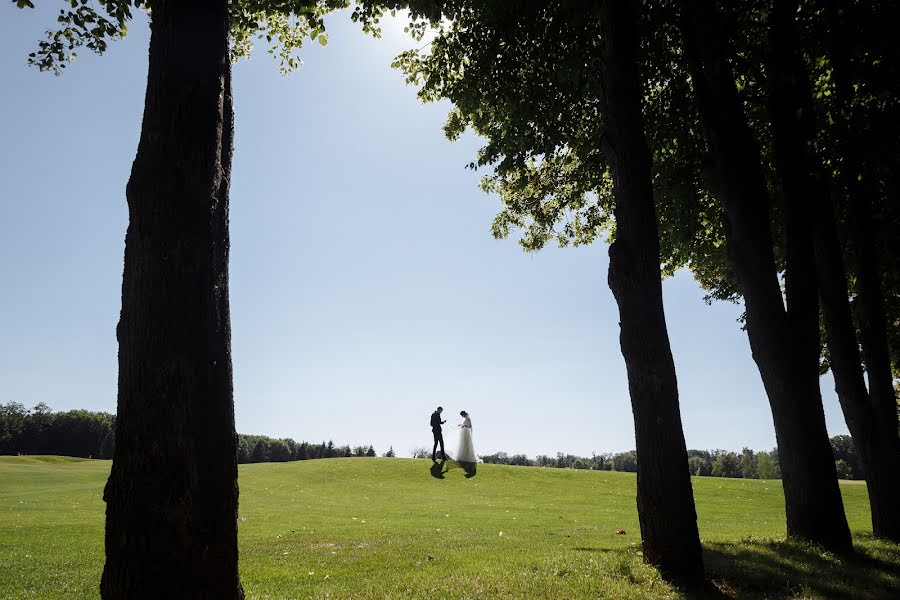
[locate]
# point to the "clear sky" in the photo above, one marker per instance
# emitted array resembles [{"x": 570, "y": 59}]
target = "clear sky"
[{"x": 366, "y": 287}]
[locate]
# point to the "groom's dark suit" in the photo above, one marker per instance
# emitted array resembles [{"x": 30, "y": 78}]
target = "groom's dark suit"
[{"x": 438, "y": 434}]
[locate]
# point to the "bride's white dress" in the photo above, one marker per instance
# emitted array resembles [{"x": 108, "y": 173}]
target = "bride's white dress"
[{"x": 465, "y": 450}]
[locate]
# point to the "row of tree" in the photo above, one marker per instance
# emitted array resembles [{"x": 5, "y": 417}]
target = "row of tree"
[
  {"x": 260, "y": 448},
  {"x": 90, "y": 434},
  {"x": 41, "y": 431},
  {"x": 754, "y": 142},
  {"x": 746, "y": 464}
]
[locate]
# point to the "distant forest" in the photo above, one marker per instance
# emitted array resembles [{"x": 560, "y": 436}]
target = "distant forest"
[
  {"x": 746, "y": 464},
  {"x": 92, "y": 435},
  {"x": 89, "y": 434}
]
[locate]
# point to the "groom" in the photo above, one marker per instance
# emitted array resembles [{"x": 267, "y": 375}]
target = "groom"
[{"x": 436, "y": 431}]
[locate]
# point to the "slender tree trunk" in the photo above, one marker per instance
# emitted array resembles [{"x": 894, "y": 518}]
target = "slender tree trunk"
[
  {"x": 870, "y": 312},
  {"x": 813, "y": 503},
  {"x": 664, "y": 496},
  {"x": 877, "y": 451},
  {"x": 171, "y": 514},
  {"x": 790, "y": 111}
]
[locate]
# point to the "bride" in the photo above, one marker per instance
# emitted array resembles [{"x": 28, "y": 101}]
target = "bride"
[{"x": 465, "y": 451}]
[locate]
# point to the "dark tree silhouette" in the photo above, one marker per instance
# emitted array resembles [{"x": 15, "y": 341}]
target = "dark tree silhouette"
[
  {"x": 172, "y": 494},
  {"x": 527, "y": 77},
  {"x": 870, "y": 412},
  {"x": 665, "y": 499},
  {"x": 781, "y": 340}
]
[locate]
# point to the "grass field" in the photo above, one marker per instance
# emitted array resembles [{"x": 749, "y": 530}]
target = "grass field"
[{"x": 394, "y": 528}]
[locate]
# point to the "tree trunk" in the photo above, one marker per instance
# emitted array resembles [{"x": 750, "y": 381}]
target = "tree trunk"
[
  {"x": 870, "y": 311},
  {"x": 171, "y": 514},
  {"x": 878, "y": 452},
  {"x": 790, "y": 112},
  {"x": 813, "y": 503},
  {"x": 664, "y": 496}
]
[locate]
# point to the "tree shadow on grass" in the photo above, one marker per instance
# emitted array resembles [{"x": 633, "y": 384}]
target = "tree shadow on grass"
[
  {"x": 755, "y": 569},
  {"x": 625, "y": 563}
]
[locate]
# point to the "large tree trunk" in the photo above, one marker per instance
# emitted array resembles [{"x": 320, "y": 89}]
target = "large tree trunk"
[
  {"x": 171, "y": 514},
  {"x": 664, "y": 496},
  {"x": 792, "y": 124},
  {"x": 813, "y": 503}
]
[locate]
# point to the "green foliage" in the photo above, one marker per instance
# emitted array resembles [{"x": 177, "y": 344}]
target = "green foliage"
[
  {"x": 524, "y": 77},
  {"x": 843, "y": 469},
  {"x": 699, "y": 466},
  {"x": 558, "y": 539},
  {"x": 79, "y": 433},
  {"x": 625, "y": 461},
  {"x": 13, "y": 416},
  {"x": 261, "y": 448},
  {"x": 283, "y": 24},
  {"x": 845, "y": 453},
  {"x": 767, "y": 466},
  {"x": 81, "y": 25},
  {"x": 726, "y": 465},
  {"x": 536, "y": 104},
  {"x": 748, "y": 464},
  {"x": 83, "y": 433}
]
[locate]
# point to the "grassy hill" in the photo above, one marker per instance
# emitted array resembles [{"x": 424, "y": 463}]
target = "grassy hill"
[{"x": 377, "y": 528}]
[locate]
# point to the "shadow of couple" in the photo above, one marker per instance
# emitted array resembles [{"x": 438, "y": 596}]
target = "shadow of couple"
[{"x": 440, "y": 468}]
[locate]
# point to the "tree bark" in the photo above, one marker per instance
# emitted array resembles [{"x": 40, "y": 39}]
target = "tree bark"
[
  {"x": 171, "y": 514},
  {"x": 664, "y": 495},
  {"x": 813, "y": 503}
]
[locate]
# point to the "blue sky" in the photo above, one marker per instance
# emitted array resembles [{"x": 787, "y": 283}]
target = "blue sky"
[{"x": 366, "y": 287}]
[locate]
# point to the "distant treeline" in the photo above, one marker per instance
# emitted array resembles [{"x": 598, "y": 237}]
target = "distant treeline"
[
  {"x": 87, "y": 434},
  {"x": 746, "y": 464},
  {"x": 41, "y": 431},
  {"x": 259, "y": 448},
  {"x": 92, "y": 435}
]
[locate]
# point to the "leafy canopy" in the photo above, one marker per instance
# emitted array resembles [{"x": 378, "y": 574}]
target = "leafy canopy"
[
  {"x": 283, "y": 24},
  {"x": 525, "y": 77}
]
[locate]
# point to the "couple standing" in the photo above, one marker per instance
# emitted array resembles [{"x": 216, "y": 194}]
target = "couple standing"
[{"x": 465, "y": 450}]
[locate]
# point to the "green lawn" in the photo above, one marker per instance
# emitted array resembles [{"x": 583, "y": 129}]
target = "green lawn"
[{"x": 388, "y": 528}]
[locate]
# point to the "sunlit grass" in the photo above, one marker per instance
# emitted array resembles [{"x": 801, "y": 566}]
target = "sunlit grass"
[{"x": 391, "y": 528}]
